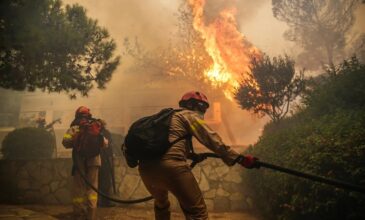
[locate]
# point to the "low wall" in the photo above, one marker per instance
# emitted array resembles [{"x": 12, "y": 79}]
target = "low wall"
[
  {"x": 48, "y": 181},
  {"x": 43, "y": 181}
]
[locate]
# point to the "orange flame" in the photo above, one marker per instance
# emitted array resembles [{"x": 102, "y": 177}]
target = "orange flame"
[{"x": 229, "y": 49}]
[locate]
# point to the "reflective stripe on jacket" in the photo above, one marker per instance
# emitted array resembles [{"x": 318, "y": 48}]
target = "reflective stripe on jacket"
[{"x": 67, "y": 140}]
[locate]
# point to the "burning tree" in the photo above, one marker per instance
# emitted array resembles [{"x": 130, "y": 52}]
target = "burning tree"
[
  {"x": 46, "y": 46},
  {"x": 271, "y": 87},
  {"x": 229, "y": 49},
  {"x": 210, "y": 53}
]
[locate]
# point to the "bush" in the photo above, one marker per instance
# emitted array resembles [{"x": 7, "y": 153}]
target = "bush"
[
  {"x": 327, "y": 139},
  {"x": 28, "y": 143},
  {"x": 333, "y": 147},
  {"x": 343, "y": 88}
]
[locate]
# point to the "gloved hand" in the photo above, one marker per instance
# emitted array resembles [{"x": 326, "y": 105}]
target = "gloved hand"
[{"x": 248, "y": 161}]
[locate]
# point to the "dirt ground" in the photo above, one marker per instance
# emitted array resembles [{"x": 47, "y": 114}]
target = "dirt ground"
[{"x": 48, "y": 212}]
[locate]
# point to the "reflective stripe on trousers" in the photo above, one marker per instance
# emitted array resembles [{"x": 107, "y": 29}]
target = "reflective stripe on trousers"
[{"x": 84, "y": 198}]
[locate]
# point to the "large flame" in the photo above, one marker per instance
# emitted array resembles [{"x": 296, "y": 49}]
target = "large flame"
[{"x": 229, "y": 49}]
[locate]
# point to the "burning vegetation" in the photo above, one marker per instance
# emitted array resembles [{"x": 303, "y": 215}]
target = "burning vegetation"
[
  {"x": 209, "y": 50},
  {"x": 228, "y": 48}
]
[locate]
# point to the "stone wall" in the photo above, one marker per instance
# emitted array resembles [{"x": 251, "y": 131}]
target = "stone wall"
[
  {"x": 43, "y": 181},
  {"x": 49, "y": 181}
]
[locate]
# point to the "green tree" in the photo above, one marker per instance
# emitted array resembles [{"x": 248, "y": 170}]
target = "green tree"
[
  {"x": 342, "y": 87},
  {"x": 44, "y": 45},
  {"x": 320, "y": 27},
  {"x": 271, "y": 87}
]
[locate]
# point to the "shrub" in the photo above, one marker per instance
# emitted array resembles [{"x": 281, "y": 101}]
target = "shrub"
[
  {"x": 344, "y": 88},
  {"x": 333, "y": 147},
  {"x": 28, "y": 143},
  {"x": 327, "y": 138}
]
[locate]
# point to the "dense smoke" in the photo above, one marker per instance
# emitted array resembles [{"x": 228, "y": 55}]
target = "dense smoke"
[
  {"x": 154, "y": 24},
  {"x": 133, "y": 93}
]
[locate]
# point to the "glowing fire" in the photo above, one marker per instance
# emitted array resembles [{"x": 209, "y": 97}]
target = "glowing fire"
[{"x": 229, "y": 49}]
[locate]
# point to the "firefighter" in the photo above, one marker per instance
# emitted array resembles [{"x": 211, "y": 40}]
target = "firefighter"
[
  {"x": 84, "y": 199},
  {"x": 172, "y": 174}
]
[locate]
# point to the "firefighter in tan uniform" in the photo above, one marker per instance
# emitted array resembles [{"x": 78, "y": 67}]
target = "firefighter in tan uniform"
[
  {"x": 84, "y": 199},
  {"x": 172, "y": 173}
]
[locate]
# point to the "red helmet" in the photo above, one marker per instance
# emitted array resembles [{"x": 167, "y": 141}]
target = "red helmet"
[
  {"x": 194, "y": 95},
  {"x": 82, "y": 111}
]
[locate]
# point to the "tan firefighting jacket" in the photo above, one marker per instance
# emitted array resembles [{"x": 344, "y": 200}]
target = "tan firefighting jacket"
[
  {"x": 187, "y": 122},
  {"x": 67, "y": 142}
]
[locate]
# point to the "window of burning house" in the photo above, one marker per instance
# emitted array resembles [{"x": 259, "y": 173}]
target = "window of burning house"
[{"x": 10, "y": 106}]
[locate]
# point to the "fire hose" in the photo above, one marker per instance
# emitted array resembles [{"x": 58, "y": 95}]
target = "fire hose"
[
  {"x": 105, "y": 195},
  {"x": 336, "y": 183},
  {"x": 197, "y": 158}
]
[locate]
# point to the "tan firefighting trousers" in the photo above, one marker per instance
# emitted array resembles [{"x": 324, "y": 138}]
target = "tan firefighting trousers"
[
  {"x": 84, "y": 198},
  {"x": 179, "y": 180}
]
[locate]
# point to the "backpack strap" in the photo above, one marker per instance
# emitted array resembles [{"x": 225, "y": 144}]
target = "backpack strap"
[
  {"x": 187, "y": 137},
  {"x": 196, "y": 158}
]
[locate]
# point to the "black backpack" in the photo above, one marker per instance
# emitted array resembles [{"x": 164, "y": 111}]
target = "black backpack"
[{"x": 147, "y": 138}]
